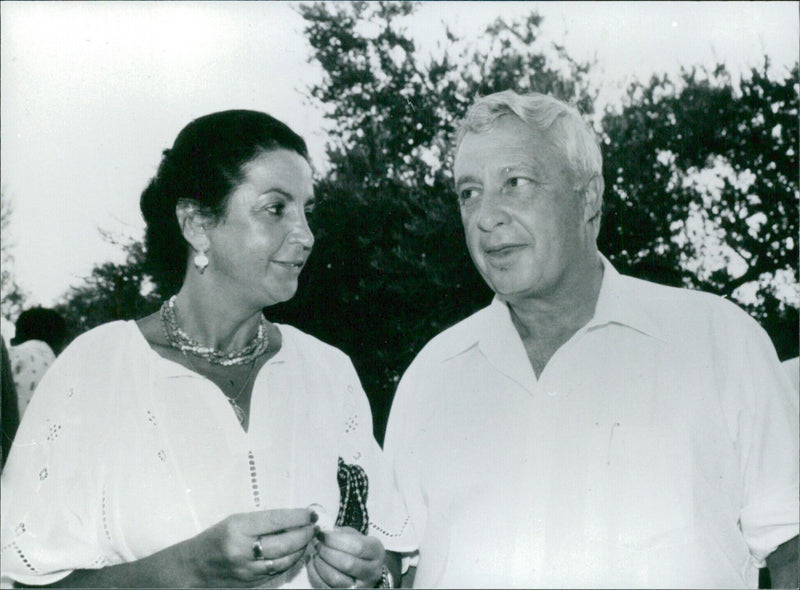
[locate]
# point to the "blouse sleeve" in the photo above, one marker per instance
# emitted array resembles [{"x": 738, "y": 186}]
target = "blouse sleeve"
[
  {"x": 52, "y": 498},
  {"x": 388, "y": 518}
]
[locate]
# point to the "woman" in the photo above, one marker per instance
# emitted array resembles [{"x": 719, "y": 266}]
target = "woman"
[
  {"x": 39, "y": 338},
  {"x": 185, "y": 449}
]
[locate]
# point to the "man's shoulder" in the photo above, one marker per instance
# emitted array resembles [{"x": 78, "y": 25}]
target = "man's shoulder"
[
  {"x": 455, "y": 339},
  {"x": 678, "y": 309}
]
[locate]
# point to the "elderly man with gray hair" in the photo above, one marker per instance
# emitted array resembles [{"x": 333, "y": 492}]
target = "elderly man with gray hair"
[{"x": 586, "y": 429}]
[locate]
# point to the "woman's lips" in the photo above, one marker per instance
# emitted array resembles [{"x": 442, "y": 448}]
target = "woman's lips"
[{"x": 290, "y": 264}]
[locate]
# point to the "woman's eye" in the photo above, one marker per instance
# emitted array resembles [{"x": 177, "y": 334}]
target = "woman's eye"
[{"x": 275, "y": 208}]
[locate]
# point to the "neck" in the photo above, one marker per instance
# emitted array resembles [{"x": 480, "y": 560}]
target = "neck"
[
  {"x": 218, "y": 322},
  {"x": 564, "y": 312}
]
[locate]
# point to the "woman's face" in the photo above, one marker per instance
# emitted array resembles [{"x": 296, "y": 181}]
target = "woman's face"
[{"x": 257, "y": 250}]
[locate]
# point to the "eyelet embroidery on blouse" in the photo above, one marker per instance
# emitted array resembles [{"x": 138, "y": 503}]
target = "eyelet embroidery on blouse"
[
  {"x": 254, "y": 479},
  {"x": 105, "y": 517},
  {"x": 151, "y": 418},
  {"x": 53, "y": 432},
  {"x": 19, "y": 529},
  {"x": 351, "y": 424},
  {"x": 162, "y": 455},
  {"x": 43, "y": 474},
  {"x": 70, "y": 392},
  {"x": 100, "y": 561},
  {"x": 22, "y": 557},
  {"x": 387, "y": 533}
]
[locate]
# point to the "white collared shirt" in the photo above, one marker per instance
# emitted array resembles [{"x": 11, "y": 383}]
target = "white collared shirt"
[
  {"x": 123, "y": 453},
  {"x": 658, "y": 448}
]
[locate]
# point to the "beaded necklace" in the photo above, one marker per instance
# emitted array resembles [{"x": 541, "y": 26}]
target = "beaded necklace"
[{"x": 179, "y": 339}]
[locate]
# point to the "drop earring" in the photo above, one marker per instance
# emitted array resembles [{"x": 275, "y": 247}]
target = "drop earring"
[{"x": 201, "y": 261}]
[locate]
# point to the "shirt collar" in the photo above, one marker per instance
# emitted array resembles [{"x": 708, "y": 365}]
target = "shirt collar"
[{"x": 617, "y": 303}]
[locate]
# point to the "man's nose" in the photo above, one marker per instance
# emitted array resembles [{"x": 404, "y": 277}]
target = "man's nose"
[{"x": 492, "y": 211}]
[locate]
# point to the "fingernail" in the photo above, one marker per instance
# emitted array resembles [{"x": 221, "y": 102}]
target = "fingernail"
[
  {"x": 314, "y": 517},
  {"x": 320, "y": 535}
]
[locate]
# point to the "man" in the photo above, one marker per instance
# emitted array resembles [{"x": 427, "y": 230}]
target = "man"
[{"x": 586, "y": 429}]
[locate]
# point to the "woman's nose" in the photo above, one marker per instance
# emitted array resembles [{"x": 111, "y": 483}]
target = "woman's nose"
[{"x": 301, "y": 232}]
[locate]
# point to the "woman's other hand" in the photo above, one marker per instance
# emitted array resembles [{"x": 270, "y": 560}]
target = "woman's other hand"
[
  {"x": 249, "y": 548},
  {"x": 344, "y": 558}
]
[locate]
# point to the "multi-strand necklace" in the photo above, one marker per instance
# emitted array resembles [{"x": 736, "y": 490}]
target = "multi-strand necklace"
[{"x": 179, "y": 339}]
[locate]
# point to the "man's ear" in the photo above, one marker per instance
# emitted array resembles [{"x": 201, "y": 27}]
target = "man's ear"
[
  {"x": 193, "y": 225},
  {"x": 593, "y": 201}
]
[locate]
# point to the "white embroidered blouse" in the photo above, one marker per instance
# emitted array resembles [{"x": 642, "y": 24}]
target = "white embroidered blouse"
[{"x": 122, "y": 453}]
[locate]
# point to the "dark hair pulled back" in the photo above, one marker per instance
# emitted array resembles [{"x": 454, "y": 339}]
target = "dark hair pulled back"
[{"x": 203, "y": 166}]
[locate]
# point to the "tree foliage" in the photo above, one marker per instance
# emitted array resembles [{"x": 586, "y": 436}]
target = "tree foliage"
[
  {"x": 112, "y": 291},
  {"x": 12, "y": 296},
  {"x": 702, "y": 189},
  {"x": 700, "y": 173},
  {"x": 390, "y": 268}
]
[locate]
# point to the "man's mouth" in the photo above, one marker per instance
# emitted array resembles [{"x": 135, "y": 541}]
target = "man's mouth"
[{"x": 501, "y": 250}]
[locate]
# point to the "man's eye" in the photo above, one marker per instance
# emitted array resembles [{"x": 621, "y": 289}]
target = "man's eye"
[
  {"x": 517, "y": 181},
  {"x": 465, "y": 194}
]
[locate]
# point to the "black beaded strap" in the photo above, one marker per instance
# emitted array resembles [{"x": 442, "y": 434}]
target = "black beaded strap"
[{"x": 353, "y": 490}]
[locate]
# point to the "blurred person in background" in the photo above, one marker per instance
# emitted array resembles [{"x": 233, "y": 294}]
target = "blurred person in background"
[
  {"x": 586, "y": 429},
  {"x": 39, "y": 337},
  {"x": 204, "y": 446},
  {"x": 9, "y": 412}
]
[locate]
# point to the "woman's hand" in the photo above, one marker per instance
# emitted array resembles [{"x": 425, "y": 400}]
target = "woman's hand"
[
  {"x": 344, "y": 558},
  {"x": 250, "y": 548}
]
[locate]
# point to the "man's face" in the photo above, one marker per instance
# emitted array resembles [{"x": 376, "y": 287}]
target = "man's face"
[{"x": 522, "y": 215}]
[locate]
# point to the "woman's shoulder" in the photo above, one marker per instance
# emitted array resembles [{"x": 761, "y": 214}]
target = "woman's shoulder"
[
  {"x": 108, "y": 331},
  {"x": 102, "y": 341},
  {"x": 311, "y": 347}
]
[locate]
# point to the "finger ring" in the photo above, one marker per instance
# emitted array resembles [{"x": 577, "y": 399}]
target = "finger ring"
[
  {"x": 269, "y": 568},
  {"x": 258, "y": 551}
]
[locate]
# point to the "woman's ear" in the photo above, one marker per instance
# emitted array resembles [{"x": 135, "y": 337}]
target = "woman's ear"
[{"x": 193, "y": 225}]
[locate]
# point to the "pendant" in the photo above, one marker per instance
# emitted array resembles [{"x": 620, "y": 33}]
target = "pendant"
[{"x": 238, "y": 411}]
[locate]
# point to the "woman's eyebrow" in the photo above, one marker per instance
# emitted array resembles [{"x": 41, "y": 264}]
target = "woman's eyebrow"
[{"x": 467, "y": 178}]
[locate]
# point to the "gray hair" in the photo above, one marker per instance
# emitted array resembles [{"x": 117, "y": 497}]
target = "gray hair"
[{"x": 557, "y": 121}]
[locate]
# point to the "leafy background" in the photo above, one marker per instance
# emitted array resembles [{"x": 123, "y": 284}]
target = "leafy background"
[{"x": 701, "y": 175}]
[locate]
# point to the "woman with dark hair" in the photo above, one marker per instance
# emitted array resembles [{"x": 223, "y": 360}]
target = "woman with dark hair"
[
  {"x": 9, "y": 411},
  {"x": 204, "y": 445},
  {"x": 39, "y": 338}
]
